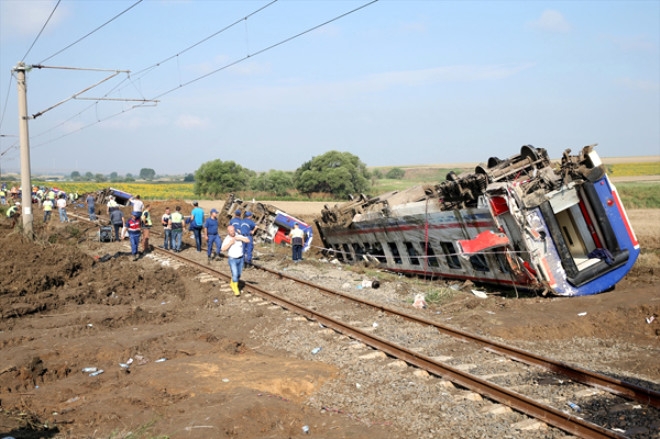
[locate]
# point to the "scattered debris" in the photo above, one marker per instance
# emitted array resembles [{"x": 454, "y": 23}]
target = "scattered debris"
[
  {"x": 420, "y": 302},
  {"x": 316, "y": 351},
  {"x": 582, "y": 314},
  {"x": 480, "y": 294},
  {"x": 574, "y": 406}
]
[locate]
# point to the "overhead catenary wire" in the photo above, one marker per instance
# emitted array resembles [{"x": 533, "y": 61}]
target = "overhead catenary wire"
[
  {"x": 41, "y": 31},
  {"x": 4, "y": 107},
  {"x": 235, "y": 62},
  {"x": 265, "y": 49},
  {"x": 142, "y": 72},
  {"x": 91, "y": 32}
]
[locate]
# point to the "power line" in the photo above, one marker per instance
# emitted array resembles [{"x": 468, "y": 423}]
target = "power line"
[
  {"x": 4, "y": 109},
  {"x": 259, "y": 52},
  {"x": 159, "y": 64},
  {"x": 93, "y": 31},
  {"x": 42, "y": 29}
]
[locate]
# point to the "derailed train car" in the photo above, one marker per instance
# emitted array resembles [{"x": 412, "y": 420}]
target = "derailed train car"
[
  {"x": 521, "y": 222},
  {"x": 273, "y": 225}
]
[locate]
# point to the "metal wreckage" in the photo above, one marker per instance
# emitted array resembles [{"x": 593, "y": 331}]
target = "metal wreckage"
[
  {"x": 273, "y": 225},
  {"x": 521, "y": 223}
]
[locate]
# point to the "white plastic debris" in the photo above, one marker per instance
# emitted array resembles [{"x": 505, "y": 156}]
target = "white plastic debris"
[
  {"x": 375, "y": 325},
  {"x": 649, "y": 320},
  {"x": 161, "y": 360},
  {"x": 316, "y": 351},
  {"x": 582, "y": 314},
  {"x": 420, "y": 302},
  {"x": 480, "y": 294},
  {"x": 89, "y": 369}
]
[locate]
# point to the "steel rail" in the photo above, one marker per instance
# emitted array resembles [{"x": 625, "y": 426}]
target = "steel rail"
[
  {"x": 584, "y": 376},
  {"x": 548, "y": 414}
]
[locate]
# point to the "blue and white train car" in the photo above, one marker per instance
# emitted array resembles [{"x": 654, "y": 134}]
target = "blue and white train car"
[{"x": 522, "y": 222}]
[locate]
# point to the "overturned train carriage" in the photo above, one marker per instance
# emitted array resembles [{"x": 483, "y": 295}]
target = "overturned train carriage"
[
  {"x": 520, "y": 222},
  {"x": 272, "y": 224}
]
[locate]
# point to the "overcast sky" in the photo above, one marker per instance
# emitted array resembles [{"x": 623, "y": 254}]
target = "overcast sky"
[{"x": 396, "y": 83}]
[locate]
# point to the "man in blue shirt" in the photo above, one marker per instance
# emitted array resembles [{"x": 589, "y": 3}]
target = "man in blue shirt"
[
  {"x": 90, "y": 207},
  {"x": 211, "y": 234},
  {"x": 196, "y": 224},
  {"x": 247, "y": 230}
]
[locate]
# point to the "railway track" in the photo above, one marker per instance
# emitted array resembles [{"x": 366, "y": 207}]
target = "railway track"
[{"x": 567, "y": 397}]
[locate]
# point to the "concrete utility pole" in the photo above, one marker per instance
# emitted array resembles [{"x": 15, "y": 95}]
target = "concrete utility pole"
[{"x": 26, "y": 183}]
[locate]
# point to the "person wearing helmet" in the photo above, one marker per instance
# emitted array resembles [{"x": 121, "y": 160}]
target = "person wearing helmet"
[{"x": 13, "y": 213}]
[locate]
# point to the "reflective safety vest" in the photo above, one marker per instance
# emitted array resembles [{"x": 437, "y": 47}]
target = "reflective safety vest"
[
  {"x": 11, "y": 211},
  {"x": 146, "y": 218},
  {"x": 177, "y": 220}
]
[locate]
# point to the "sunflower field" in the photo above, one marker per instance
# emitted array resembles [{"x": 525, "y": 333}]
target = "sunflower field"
[{"x": 146, "y": 191}]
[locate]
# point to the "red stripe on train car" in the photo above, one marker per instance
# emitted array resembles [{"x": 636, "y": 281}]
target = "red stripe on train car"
[{"x": 624, "y": 216}]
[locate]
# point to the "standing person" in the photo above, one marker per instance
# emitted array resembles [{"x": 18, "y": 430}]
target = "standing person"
[
  {"x": 247, "y": 229},
  {"x": 138, "y": 205},
  {"x": 167, "y": 229},
  {"x": 112, "y": 204},
  {"x": 297, "y": 237},
  {"x": 61, "y": 208},
  {"x": 233, "y": 245},
  {"x": 13, "y": 213},
  {"x": 146, "y": 226},
  {"x": 211, "y": 234},
  {"x": 48, "y": 209},
  {"x": 196, "y": 224},
  {"x": 176, "y": 225},
  {"x": 117, "y": 221},
  {"x": 90, "y": 206},
  {"x": 134, "y": 225},
  {"x": 236, "y": 220},
  {"x": 51, "y": 195},
  {"x": 3, "y": 197}
]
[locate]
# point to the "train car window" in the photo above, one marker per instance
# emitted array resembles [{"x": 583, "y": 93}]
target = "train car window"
[
  {"x": 395, "y": 252},
  {"x": 502, "y": 263},
  {"x": 338, "y": 253},
  {"x": 412, "y": 253},
  {"x": 479, "y": 262},
  {"x": 431, "y": 260},
  {"x": 377, "y": 251},
  {"x": 347, "y": 252},
  {"x": 450, "y": 254},
  {"x": 358, "y": 250}
]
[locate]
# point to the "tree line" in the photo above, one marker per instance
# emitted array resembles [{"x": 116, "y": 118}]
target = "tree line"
[{"x": 338, "y": 173}]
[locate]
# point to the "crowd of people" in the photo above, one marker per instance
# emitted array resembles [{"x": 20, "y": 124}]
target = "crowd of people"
[{"x": 238, "y": 244}]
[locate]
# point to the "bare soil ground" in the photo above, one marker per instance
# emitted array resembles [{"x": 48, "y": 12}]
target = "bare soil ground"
[{"x": 64, "y": 308}]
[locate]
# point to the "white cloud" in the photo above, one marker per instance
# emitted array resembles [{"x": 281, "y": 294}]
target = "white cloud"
[
  {"x": 188, "y": 121},
  {"x": 301, "y": 93},
  {"x": 635, "y": 43},
  {"x": 26, "y": 18},
  {"x": 459, "y": 73},
  {"x": 550, "y": 21},
  {"x": 639, "y": 85}
]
